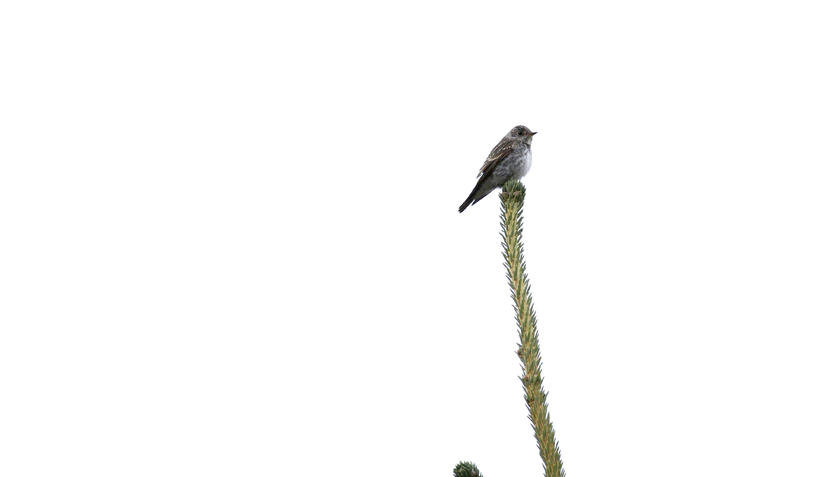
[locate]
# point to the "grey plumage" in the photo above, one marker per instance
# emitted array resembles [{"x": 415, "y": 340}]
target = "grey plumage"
[{"x": 510, "y": 159}]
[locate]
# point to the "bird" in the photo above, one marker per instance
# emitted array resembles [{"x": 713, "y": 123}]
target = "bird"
[{"x": 511, "y": 158}]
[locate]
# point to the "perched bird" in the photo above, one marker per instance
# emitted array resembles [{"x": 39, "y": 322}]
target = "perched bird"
[{"x": 510, "y": 159}]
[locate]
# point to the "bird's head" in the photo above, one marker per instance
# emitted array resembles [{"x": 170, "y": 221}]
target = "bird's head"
[{"x": 521, "y": 133}]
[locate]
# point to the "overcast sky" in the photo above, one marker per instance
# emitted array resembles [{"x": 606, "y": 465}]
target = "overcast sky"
[{"x": 229, "y": 239}]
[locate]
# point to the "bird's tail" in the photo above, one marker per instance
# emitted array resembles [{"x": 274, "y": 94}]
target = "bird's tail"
[
  {"x": 466, "y": 204},
  {"x": 478, "y": 193}
]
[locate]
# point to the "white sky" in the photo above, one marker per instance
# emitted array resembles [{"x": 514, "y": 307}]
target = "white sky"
[{"x": 229, "y": 242}]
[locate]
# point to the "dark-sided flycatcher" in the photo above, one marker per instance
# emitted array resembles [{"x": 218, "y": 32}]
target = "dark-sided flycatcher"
[{"x": 510, "y": 159}]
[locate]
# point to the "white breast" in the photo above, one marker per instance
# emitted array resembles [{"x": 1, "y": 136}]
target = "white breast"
[{"x": 522, "y": 166}]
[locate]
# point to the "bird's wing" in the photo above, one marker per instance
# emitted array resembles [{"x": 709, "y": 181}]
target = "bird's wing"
[{"x": 499, "y": 152}]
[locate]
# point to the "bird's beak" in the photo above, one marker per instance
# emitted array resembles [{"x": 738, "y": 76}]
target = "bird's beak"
[{"x": 534, "y": 133}]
